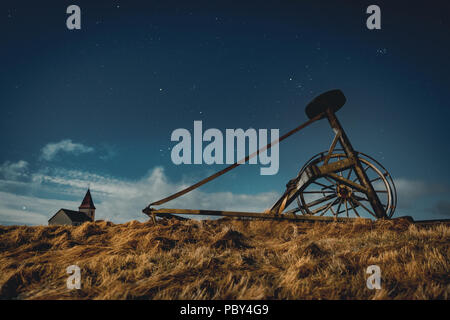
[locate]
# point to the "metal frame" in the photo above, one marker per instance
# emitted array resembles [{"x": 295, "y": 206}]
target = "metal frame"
[
  {"x": 312, "y": 172},
  {"x": 309, "y": 173}
]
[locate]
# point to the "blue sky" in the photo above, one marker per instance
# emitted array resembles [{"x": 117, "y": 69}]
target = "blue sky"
[{"x": 97, "y": 106}]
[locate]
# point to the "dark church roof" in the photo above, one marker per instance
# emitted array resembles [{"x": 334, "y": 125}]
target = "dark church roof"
[
  {"x": 75, "y": 216},
  {"x": 87, "y": 202}
]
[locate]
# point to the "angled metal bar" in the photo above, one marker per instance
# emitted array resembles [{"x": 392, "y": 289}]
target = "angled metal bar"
[
  {"x": 347, "y": 182},
  {"x": 331, "y": 149},
  {"x": 358, "y": 168}
]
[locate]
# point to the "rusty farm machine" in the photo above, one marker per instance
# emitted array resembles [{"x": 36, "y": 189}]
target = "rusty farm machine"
[{"x": 334, "y": 185}]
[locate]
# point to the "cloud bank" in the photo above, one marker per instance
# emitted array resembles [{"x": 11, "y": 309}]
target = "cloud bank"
[
  {"x": 51, "y": 150},
  {"x": 14, "y": 170},
  {"x": 117, "y": 200},
  {"x": 33, "y": 197}
]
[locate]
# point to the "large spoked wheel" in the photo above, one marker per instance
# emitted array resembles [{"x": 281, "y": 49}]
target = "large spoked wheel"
[{"x": 327, "y": 196}]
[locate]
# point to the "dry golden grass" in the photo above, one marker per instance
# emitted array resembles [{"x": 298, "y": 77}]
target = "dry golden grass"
[{"x": 227, "y": 259}]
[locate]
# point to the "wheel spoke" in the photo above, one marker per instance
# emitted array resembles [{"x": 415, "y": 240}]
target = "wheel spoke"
[
  {"x": 330, "y": 181},
  {"x": 320, "y": 208},
  {"x": 293, "y": 211},
  {"x": 379, "y": 178},
  {"x": 376, "y": 179},
  {"x": 318, "y": 191},
  {"x": 324, "y": 197},
  {"x": 328, "y": 208},
  {"x": 316, "y": 202},
  {"x": 364, "y": 199},
  {"x": 363, "y": 206},
  {"x": 360, "y": 198},
  {"x": 349, "y": 173},
  {"x": 322, "y": 185},
  {"x": 332, "y": 211},
  {"x": 353, "y": 207},
  {"x": 339, "y": 207}
]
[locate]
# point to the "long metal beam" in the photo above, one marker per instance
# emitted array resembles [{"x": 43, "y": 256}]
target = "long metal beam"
[{"x": 286, "y": 216}]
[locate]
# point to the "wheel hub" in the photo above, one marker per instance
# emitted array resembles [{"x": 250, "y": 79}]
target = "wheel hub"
[{"x": 344, "y": 191}]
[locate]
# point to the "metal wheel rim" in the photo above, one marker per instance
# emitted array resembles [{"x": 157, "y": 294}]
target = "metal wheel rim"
[{"x": 381, "y": 173}]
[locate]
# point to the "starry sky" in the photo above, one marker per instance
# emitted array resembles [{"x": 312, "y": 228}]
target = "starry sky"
[{"x": 96, "y": 107}]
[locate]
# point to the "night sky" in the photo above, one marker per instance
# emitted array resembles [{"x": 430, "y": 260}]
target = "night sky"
[{"x": 96, "y": 107}]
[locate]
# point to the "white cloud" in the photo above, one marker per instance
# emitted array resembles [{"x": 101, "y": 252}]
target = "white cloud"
[
  {"x": 52, "y": 149},
  {"x": 409, "y": 191},
  {"x": 14, "y": 170},
  {"x": 122, "y": 200},
  {"x": 23, "y": 209},
  {"x": 118, "y": 200}
]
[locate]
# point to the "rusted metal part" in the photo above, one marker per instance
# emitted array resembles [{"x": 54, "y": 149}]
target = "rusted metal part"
[{"x": 240, "y": 214}]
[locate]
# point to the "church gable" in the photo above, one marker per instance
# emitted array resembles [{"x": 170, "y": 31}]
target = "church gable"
[
  {"x": 60, "y": 218},
  {"x": 68, "y": 217}
]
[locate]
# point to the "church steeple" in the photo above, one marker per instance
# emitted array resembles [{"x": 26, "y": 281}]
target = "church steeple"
[{"x": 87, "y": 205}]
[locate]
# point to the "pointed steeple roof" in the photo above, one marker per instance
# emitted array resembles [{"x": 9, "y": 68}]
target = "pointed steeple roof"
[{"x": 87, "y": 201}]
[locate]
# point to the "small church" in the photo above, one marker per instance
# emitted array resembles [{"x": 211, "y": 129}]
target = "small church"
[{"x": 85, "y": 213}]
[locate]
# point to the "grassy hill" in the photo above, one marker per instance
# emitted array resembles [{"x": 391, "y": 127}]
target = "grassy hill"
[{"x": 226, "y": 259}]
